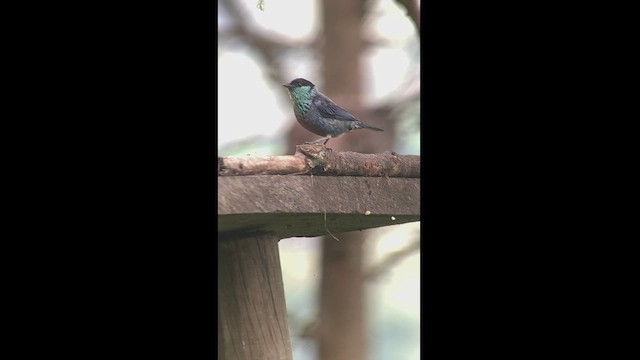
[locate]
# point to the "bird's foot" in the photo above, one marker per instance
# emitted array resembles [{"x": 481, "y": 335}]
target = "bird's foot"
[{"x": 325, "y": 139}]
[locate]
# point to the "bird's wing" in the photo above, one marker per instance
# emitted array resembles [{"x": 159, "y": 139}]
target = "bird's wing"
[{"x": 329, "y": 109}]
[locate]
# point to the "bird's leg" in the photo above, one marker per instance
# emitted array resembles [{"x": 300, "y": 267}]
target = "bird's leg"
[{"x": 326, "y": 138}]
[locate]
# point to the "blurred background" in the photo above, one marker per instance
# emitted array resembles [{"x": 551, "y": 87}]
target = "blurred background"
[{"x": 357, "y": 298}]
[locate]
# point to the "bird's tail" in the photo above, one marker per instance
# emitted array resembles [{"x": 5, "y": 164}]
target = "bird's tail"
[{"x": 364, "y": 125}]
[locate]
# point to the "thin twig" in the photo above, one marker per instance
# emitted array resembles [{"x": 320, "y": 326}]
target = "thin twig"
[{"x": 326, "y": 228}]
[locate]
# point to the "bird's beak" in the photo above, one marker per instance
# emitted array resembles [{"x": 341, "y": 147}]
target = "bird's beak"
[{"x": 286, "y": 85}]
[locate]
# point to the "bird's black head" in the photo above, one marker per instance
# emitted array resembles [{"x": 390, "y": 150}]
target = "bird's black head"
[{"x": 298, "y": 83}]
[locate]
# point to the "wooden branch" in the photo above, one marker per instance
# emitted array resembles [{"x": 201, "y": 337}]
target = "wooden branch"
[
  {"x": 256, "y": 165},
  {"x": 316, "y": 159}
]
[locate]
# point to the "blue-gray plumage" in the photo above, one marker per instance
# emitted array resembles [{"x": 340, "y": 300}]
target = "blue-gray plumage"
[{"x": 318, "y": 114}]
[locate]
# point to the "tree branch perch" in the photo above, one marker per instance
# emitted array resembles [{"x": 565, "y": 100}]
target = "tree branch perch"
[{"x": 316, "y": 159}]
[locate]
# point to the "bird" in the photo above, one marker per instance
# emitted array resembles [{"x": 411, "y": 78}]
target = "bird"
[{"x": 319, "y": 114}]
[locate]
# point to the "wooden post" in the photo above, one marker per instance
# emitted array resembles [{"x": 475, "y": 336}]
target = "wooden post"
[
  {"x": 254, "y": 211},
  {"x": 252, "y": 314}
]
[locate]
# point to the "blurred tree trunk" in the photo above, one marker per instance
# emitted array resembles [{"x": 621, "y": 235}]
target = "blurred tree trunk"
[
  {"x": 342, "y": 325},
  {"x": 342, "y": 322},
  {"x": 341, "y": 68}
]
